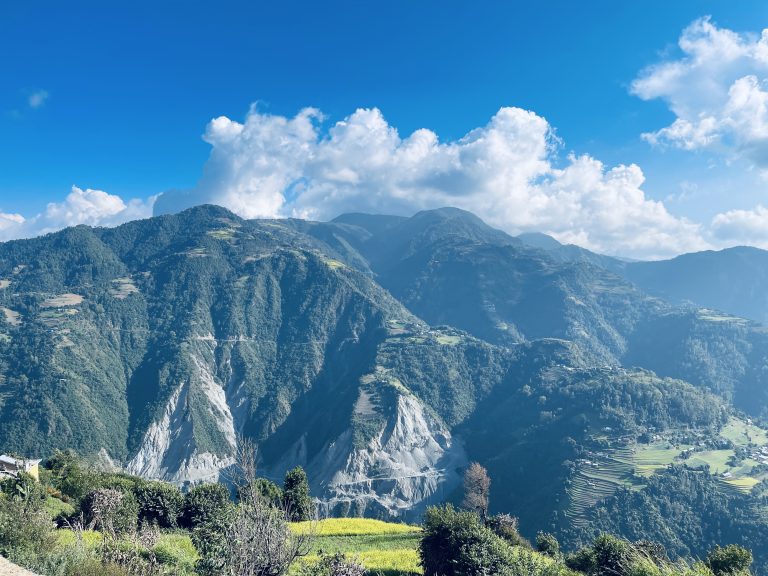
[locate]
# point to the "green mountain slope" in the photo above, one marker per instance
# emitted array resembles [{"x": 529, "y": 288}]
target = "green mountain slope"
[
  {"x": 733, "y": 280},
  {"x": 382, "y": 354},
  {"x": 449, "y": 268},
  {"x": 160, "y": 342}
]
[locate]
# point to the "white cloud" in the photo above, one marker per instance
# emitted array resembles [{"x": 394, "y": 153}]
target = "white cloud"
[
  {"x": 91, "y": 207},
  {"x": 717, "y": 91},
  {"x": 10, "y": 222},
  {"x": 37, "y": 99},
  {"x": 506, "y": 172},
  {"x": 742, "y": 227}
]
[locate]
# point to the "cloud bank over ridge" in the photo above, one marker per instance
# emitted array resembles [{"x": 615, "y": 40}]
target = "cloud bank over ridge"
[{"x": 506, "y": 172}]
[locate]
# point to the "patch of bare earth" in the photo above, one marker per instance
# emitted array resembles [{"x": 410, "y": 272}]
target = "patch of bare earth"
[
  {"x": 8, "y": 569},
  {"x": 11, "y": 316},
  {"x": 63, "y": 300}
]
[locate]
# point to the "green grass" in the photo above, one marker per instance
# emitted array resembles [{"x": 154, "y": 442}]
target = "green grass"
[
  {"x": 173, "y": 549},
  {"x": 717, "y": 460},
  {"x": 54, "y": 507},
  {"x": 67, "y": 538},
  {"x": 650, "y": 458},
  {"x": 657, "y": 454},
  {"x": 741, "y": 433},
  {"x": 177, "y": 550}
]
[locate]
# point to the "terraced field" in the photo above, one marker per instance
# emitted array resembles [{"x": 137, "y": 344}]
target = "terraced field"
[
  {"x": 603, "y": 472},
  {"x": 648, "y": 458},
  {"x": 598, "y": 478}
]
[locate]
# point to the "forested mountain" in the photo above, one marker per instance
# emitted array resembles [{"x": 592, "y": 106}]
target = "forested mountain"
[
  {"x": 734, "y": 280},
  {"x": 382, "y": 354}
]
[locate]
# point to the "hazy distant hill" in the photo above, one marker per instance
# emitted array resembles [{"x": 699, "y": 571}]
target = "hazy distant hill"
[{"x": 734, "y": 280}]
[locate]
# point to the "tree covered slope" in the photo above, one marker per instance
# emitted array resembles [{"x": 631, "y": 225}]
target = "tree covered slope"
[{"x": 382, "y": 354}]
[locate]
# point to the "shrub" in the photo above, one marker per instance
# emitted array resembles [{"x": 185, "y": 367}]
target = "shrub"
[
  {"x": 24, "y": 526},
  {"x": 505, "y": 526},
  {"x": 455, "y": 543},
  {"x": 203, "y": 503},
  {"x": 731, "y": 559},
  {"x": 253, "y": 538},
  {"x": 94, "y": 567},
  {"x": 612, "y": 556},
  {"x": 548, "y": 545},
  {"x": 111, "y": 511},
  {"x": 160, "y": 504}
]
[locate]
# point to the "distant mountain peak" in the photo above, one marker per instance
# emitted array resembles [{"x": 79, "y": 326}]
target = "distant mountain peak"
[{"x": 539, "y": 240}]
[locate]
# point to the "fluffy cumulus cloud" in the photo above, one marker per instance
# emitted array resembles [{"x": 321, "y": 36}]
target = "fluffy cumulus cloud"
[
  {"x": 506, "y": 172},
  {"x": 742, "y": 227},
  {"x": 717, "y": 90},
  {"x": 91, "y": 207}
]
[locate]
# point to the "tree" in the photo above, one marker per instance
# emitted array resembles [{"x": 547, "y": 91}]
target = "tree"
[
  {"x": 25, "y": 526},
  {"x": 297, "y": 501},
  {"x": 731, "y": 559},
  {"x": 69, "y": 476},
  {"x": 477, "y": 486}
]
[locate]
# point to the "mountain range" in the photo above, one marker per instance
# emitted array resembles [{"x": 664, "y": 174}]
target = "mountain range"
[{"x": 384, "y": 353}]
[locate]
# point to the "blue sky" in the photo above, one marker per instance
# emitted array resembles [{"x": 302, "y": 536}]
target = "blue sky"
[{"x": 116, "y": 99}]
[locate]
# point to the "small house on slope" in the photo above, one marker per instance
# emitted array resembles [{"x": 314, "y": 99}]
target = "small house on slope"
[{"x": 11, "y": 466}]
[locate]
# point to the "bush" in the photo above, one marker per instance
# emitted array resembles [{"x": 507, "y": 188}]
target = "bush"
[
  {"x": 548, "y": 545},
  {"x": 24, "y": 526},
  {"x": 731, "y": 559},
  {"x": 69, "y": 477},
  {"x": 505, "y": 526},
  {"x": 160, "y": 504},
  {"x": 612, "y": 556},
  {"x": 94, "y": 567},
  {"x": 455, "y": 543},
  {"x": 111, "y": 511},
  {"x": 253, "y": 538},
  {"x": 204, "y": 503}
]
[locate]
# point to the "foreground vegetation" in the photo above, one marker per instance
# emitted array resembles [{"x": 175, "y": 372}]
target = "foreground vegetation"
[{"x": 80, "y": 522}]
